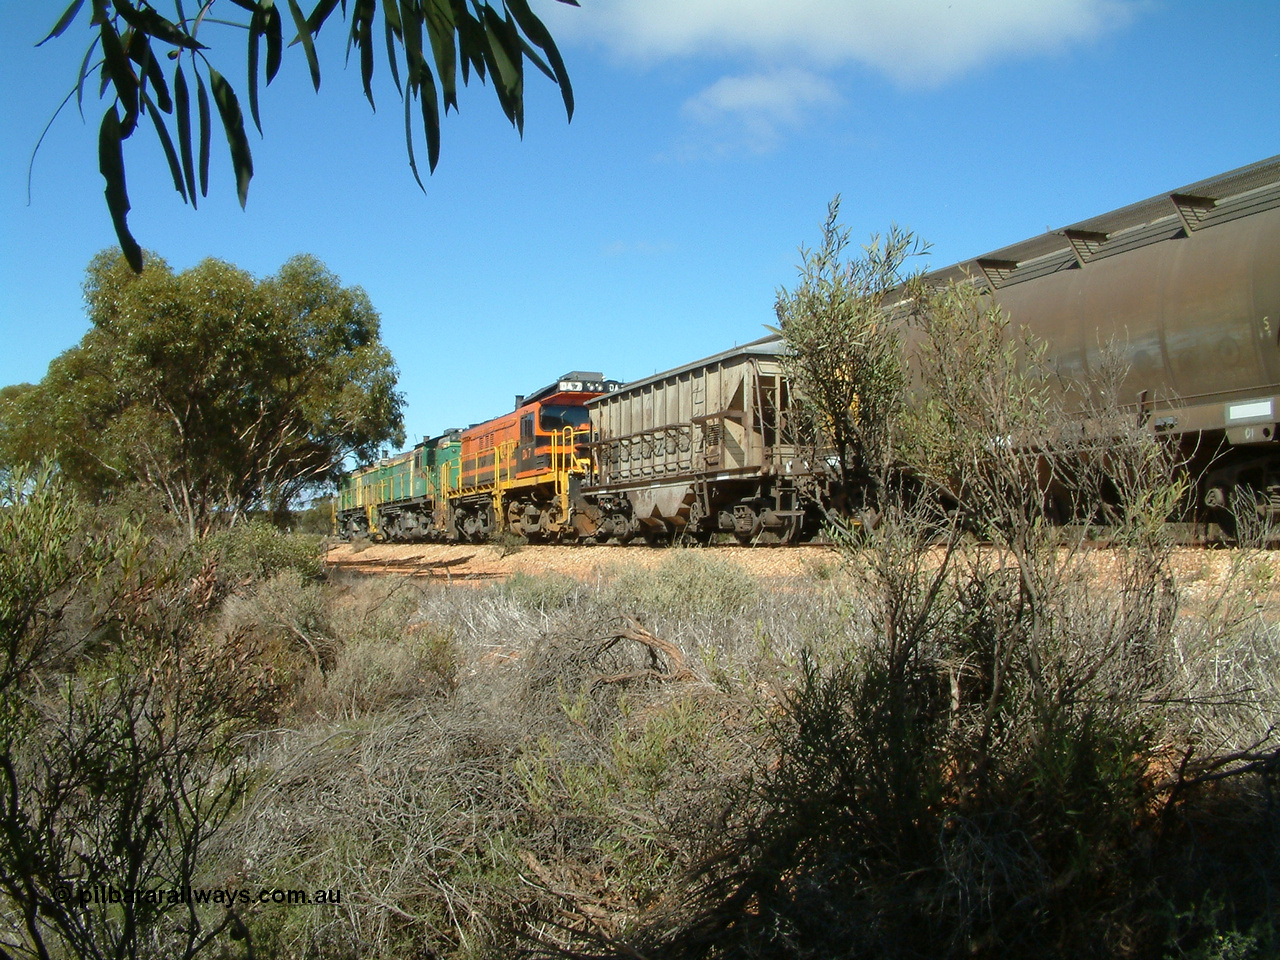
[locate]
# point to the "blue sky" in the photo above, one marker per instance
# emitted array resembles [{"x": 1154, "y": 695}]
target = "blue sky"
[{"x": 658, "y": 225}]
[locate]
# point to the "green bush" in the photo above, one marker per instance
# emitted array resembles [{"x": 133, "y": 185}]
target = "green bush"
[
  {"x": 540, "y": 591},
  {"x": 371, "y": 675},
  {"x": 257, "y": 550},
  {"x": 118, "y": 757}
]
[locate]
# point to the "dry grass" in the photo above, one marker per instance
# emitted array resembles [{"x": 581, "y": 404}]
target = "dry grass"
[{"x": 516, "y": 767}]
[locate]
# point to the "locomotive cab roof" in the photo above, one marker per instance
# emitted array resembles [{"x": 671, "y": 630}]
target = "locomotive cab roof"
[{"x": 576, "y": 381}]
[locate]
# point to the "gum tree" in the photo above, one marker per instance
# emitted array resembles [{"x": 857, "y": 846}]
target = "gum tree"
[
  {"x": 215, "y": 392},
  {"x": 845, "y": 350}
]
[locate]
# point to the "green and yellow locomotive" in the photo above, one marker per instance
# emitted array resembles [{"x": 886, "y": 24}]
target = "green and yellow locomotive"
[
  {"x": 400, "y": 497},
  {"x": 513, "y": 473}
]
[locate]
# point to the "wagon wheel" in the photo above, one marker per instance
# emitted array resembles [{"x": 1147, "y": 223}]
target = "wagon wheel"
[{"x": 695, "y": 529}]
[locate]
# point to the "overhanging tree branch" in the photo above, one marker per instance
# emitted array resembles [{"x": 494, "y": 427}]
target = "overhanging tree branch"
[{"x": 135, "y": 38}]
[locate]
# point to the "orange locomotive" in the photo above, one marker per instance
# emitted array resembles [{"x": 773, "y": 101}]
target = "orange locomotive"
[{"x": 520, "y": 472}]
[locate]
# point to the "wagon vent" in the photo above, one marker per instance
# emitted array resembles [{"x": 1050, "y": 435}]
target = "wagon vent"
[
  {"x": 997, "y": 272},
  {"x": 1192, "y": 210},
  {"x": 1085, "y": 244}
]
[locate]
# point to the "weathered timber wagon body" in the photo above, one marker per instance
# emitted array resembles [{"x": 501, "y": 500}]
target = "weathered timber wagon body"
[{"x": 707, "y": 447}]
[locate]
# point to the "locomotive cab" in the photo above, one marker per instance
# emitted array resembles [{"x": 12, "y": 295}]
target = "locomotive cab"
[{"x": 518, "y": 472}]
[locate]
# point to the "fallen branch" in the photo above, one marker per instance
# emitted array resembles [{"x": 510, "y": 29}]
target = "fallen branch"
[{"x": 675, "y": 668}]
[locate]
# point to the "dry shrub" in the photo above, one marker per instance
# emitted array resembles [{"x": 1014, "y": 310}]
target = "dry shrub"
[
  {"x": 625, "y": 746},
  {"x": 688, "y": 584},
  {"x": 371, "y": 675},
  {"x": 409, "y": 817},
  {"x": 572, "y": 779},
  {"x": 910, "y": 808},
  {"x": 262, "y": 672},
  {"x": 285, "y": 609},
  {"x": 335, "y": 649},
  {"x": 1225, "y": 658},
  {"x": 543, "y": 793}
]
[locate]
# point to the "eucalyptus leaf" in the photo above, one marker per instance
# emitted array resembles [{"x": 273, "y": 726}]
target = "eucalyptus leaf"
[
  {"x": 116, "y": 67},
  {"x": 540, "y": 36},
  {"x": 145, "y": 20},
  {"x": 257, "y": 29},
  {"x": 304, "y": 37},
  {"x": 438, "y": 19},
  {"x": 64, "y": 21},
  {"x": 206, "y": 133},
  {"x": 233, "y": 124},
  {"x": 321, "y": 14},
  {"x": 493, "y": 39},
  {"x": 166, "y": 144},
  {"x": 141, "y": 54},
  {"x": 182, "y": 104},
  {"x": 275, "y": 41},
  {"x": 362, "y": 33},
  {"x": 430, "y": 116},
  {"x": 392, "y": 33},
  {"x": 111, "y": 166},
  {"x": 84, "y": 72},
  {"x": 408, "y": 137}
]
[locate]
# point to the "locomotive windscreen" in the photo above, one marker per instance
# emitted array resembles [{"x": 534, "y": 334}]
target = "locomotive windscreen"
[{"x": 556, "y": 418}]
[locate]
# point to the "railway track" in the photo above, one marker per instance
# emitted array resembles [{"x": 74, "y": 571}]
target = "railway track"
[{"x": 1200, "y": 569}]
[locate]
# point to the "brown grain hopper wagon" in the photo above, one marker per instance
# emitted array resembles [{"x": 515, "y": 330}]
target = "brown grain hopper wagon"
[{"x": 1186, "y": 285}]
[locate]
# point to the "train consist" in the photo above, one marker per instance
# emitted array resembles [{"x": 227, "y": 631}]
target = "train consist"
[
  {"x": 703, "y": 448},
  {"x": 1187, "y": 283}
]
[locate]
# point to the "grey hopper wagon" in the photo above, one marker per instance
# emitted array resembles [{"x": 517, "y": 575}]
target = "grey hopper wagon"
[{"x": 712, "y": 446}]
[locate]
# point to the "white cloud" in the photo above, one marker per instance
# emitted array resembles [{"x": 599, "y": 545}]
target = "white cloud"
[
  {"x": 914, "y": 42},
  {"x": 761, "y": 104}
]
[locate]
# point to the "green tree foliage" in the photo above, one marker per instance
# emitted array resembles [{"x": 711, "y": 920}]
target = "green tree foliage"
[
  {"x": 217, "y": 392},
  {"x": 429, "y": 41},
  {"x": 845, "y": 353}
]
